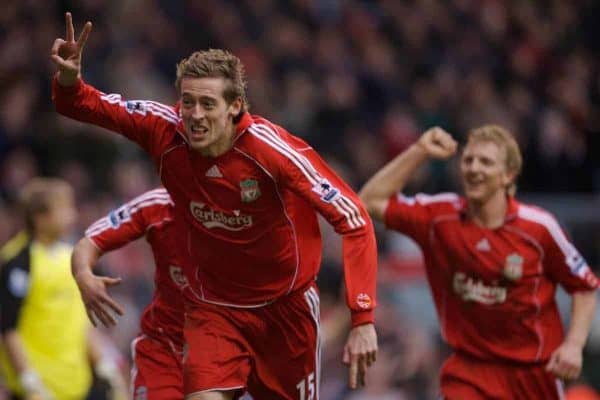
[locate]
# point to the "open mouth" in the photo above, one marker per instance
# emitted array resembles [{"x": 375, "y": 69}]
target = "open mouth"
[{"x": 198, "y": 132}]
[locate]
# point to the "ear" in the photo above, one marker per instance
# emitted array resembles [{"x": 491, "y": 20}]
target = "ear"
[
  {"x": 235, "y": 107},
  {"x": 509, "y": 177}
]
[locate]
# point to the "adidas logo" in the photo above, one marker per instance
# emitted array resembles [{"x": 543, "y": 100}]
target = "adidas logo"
[
  {"x": 483, "y": 245},
  {"x": 213, "y": 172}
]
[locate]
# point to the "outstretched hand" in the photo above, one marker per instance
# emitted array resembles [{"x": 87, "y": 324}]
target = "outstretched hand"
[
  {"x": 66, "y": 53},
  {"x": 98, "y": 303},
  {"x": 438, "y": 143}
]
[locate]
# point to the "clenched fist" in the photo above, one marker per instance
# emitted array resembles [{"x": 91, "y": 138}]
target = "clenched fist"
[{"x": 438, "y": 143}]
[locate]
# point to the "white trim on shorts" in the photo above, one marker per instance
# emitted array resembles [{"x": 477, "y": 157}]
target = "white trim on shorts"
[{"x": 312, "y": 298}]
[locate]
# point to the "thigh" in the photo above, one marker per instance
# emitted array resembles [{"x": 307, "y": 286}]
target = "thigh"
[
  {"x": 287, "y": 360},
  {"x": 156, "y": 372},
  {"x": 216, "y": 356}
]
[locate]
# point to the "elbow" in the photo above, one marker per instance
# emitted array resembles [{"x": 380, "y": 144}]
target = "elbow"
[
  {"x": 364, "y": 197},
  {"x": 368, "y": 201},
  {"x": 78, "y": 250},
  {"x": 85, "y": 254}
]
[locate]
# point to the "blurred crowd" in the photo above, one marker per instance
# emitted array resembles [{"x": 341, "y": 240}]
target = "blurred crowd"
[{"x": 359, "y": 80}]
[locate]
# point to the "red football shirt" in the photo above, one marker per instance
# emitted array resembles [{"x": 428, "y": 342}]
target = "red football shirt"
[
  {"x": 246, "y": 219},
  {"x": 150, "y": 215},
  {"x": 494, "y": 289}
]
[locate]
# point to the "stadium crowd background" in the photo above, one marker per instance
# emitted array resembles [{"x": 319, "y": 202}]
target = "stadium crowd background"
[{"x": 360, "y": 80}]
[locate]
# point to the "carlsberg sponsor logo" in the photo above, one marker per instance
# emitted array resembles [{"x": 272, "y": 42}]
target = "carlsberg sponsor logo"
[
  {"x": 470, "y": 289},
  {"x": 218, "y": 219}
]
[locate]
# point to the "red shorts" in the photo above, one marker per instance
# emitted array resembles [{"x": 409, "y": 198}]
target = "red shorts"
[
  {"x": 466, "y": 378},
  {"x": 271, "y": 351},
  {"x": 157, "y": 370}
]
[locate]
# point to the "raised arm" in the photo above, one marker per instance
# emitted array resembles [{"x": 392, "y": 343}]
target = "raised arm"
[
  {"x": 150, "y": 124},
  {"x": 393, "y": 177}
]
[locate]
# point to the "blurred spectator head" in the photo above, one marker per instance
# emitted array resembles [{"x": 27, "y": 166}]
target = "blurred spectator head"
[{"x": 49, "y": 207}]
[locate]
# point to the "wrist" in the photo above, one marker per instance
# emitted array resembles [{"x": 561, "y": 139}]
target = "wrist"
[
  {"x": 67, "y": 79},
  {"x": 420, "y": 148},
  {"x": 82, "y": 273},
  {"x": 362, "y": 317},
  {"x": 577, "y": 342}
]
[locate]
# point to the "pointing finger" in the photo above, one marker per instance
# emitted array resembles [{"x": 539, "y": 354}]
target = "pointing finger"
[
  {"x": 353, "y": 372},
  {"x": 361, "y": 371}
]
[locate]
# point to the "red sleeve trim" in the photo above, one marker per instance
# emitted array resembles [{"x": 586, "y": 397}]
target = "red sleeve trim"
[{"x": 362, "y": 317}]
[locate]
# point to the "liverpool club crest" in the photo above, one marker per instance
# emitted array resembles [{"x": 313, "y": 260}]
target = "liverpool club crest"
[
  {"x": 513, "y": 267},
  {"x": 249, "y": 190}
]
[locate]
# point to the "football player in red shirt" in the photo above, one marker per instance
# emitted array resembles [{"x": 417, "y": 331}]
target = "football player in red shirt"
[
  {"x": 246, "y": 195},
  {"x": 493, "y": 265},
  {"x": 157, "y": 352}
]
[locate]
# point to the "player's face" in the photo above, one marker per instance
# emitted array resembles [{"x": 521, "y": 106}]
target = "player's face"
[
  {"x": 207, "y": 117},
  {"x": 483, "y": 169}
]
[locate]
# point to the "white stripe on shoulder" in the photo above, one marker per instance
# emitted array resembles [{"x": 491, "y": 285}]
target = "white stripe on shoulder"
[
  {"x": 164, "y": 108},
  {"x": 546, "y": 219},
  {"x": 156, "y": 193},
  {"x": 161, "y": 113},
  {"x": 573, "y": 259},
  {"x": 342, "y": 204},
  {"x": 97, "y": 228},
  {"x": 123, "y": 213},
  {"x": 150, "y": 202},
  {"x": 426, "y": 199},
  {"x": 142, "y": 106},
  {"x": 284, "y": 149}
]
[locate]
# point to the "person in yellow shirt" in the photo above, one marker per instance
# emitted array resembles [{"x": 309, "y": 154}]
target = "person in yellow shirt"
[{"x": 47, "y": 342}]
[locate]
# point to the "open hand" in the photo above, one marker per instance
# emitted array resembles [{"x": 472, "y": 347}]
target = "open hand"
[
  {"x": 97, "y": 301},
  {"x": 66, "y": 53}
]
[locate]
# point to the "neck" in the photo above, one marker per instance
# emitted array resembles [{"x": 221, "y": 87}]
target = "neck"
[
  {"x": 491, "y": 212},
  {"x": 222, "y": 145},
  {"x": 45, "y": 238}
]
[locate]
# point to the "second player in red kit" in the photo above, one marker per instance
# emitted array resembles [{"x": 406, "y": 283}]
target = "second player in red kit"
[
  {"x": 493, "y": 265},
  {"x": 157, "y": 352}
]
